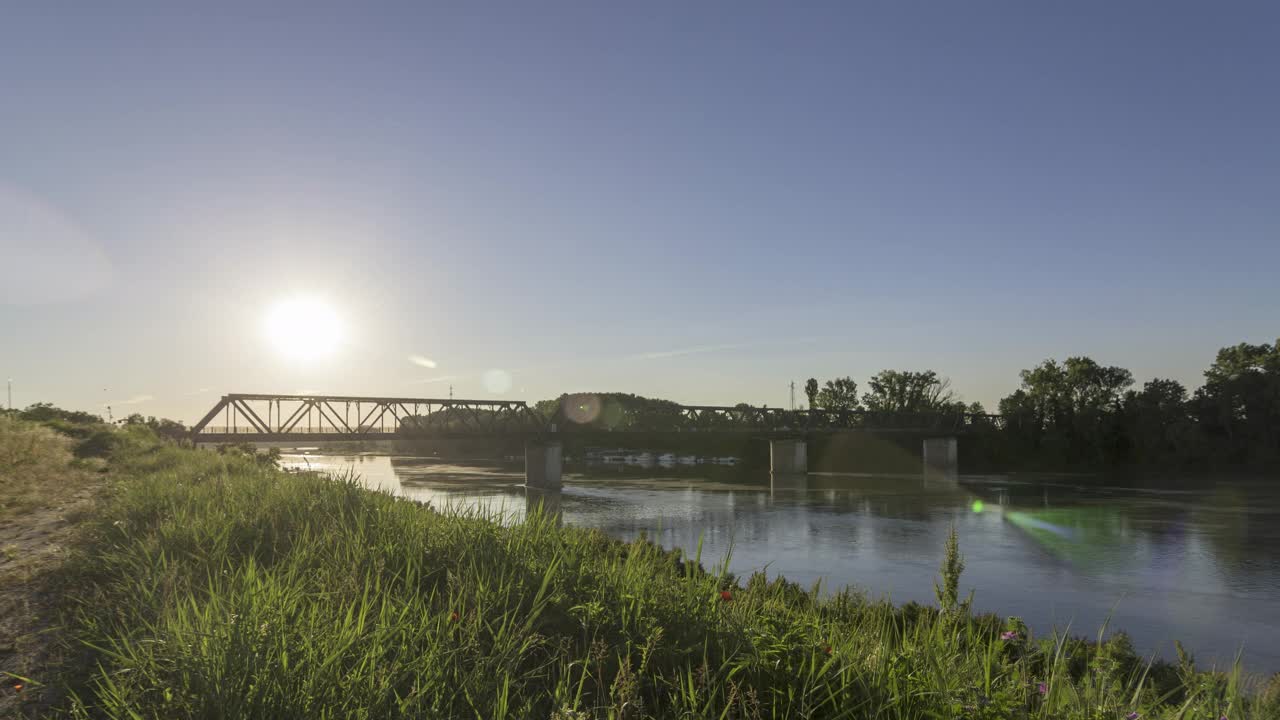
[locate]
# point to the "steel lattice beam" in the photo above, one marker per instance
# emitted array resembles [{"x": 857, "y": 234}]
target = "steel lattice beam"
[{"x": 385, "y": 417}]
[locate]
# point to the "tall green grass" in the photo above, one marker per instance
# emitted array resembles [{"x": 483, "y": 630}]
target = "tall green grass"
[{"x": 215, "y": 586}]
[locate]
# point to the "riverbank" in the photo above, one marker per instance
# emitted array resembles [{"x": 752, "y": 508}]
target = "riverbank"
[
  {"x": 46, "y": 492},
  {"x": 212, "y": 583}
]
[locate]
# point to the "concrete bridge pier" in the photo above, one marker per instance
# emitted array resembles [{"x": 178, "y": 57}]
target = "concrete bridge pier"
[
  {"x": 788, "y": 464},
  {"x": 543, "y": 462},
  {"x": 941, "y": 457}
]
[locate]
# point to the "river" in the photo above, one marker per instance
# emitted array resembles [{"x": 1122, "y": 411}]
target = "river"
[{"x": 1192, "y": 561}]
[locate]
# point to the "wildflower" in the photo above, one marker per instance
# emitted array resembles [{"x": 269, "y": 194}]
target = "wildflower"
[
  {"x": 1132, "y": 716},
  {"x": 826, "y": 649},
  {"x": 726, "y": 596},
  {"x": 17, "y": 687},
  {"x": 453, "y": 616},
  {"x": 1043, "y": 689},
  {"x": 1009, "y": 635}
]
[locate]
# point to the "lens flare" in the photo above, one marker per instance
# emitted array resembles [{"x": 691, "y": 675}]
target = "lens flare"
[{"x": 581, "y": 408}]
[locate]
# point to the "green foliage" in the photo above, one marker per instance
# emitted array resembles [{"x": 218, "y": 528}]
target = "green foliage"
[
  {"x": 811, "y": 391},
  {"x": 948, "y": 592},
  {"x": 163, "y": 427},
  {"x": 98, "y": 444},
  {"x": 614, "y": 411},
  {"x": 838, "y": 394},
  {"x": 212, "y": 585},
  {"x": 270, "y": 457},
  {"x": 45, "y": 412},
  {"x": 1080, "y": 413},
  {"x": 908, "y": 391}
]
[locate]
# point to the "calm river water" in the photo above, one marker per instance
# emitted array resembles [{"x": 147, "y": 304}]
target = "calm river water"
[{"x": 1193, "y": 562}]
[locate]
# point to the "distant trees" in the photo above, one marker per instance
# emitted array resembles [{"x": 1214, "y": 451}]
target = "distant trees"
[
  {"x": 1238, "y": 407},
  {"x": 906, "y": 391},
  {"x": 164, "y": 427},
  {"x": 1082, "y": 413},
  {"x": 1078, "y": 413},
  {"x": 45, "y": 412},
  {"x": 1068, "y": 409},
  {"x": 811, "y": 391},
  {"x": 1158, "y": 422},
  {"x": 838, "y": 394},
  {"x": 614, "y": 411}
]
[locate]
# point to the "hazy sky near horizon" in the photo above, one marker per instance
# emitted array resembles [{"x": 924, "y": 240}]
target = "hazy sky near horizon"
[{"x": 697, "y": 201}]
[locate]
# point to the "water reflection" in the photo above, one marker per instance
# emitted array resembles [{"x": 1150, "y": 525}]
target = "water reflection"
[{"x": 1195, "y": 563}]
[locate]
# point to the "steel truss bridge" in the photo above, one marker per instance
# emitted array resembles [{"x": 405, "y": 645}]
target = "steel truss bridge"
[{"x": 312, "y": 418}]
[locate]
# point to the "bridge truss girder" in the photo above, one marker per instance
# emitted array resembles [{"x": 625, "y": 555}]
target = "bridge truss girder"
[{"x": 266, "y": 416}]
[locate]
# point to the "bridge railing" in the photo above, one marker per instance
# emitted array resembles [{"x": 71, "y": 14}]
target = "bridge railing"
[{"x": 248, "y": 430}]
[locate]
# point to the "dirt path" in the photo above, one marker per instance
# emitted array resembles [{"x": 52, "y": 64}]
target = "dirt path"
[{"x": 32, "y": 544}]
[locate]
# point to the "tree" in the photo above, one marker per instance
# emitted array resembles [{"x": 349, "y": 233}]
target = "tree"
[
  {"x": 45, "y": 412},
  {"x": 1239, "y": 405},
  {"x": 1158, "y": 422},
  {"x": 164, "y": 427},
  {"x": 811, "y": 390},
  {"x": 840, "y": 394},
  {"x": 1072, "y": 410},
  {"x": 908, "y": 391}
]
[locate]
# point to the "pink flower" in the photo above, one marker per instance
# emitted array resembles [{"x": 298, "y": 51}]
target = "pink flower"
[
  {"x": 1132, "y": 716},
  {"x": 1009, "y": 635},
  {"x": 1043, "y": 689}
]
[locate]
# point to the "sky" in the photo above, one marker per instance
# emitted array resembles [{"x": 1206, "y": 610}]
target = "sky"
[{"x": 695, "y": 201}]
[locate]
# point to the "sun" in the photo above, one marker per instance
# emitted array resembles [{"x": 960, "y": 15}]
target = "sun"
[{"x": 304, "y": 329}]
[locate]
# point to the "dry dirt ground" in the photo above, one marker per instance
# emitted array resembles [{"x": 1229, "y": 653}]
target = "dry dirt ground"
[{"x": 33, "y": 543}]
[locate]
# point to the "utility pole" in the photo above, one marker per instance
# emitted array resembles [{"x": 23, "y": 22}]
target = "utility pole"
[
  {"x": 10, "y": 393},
  {"x": 450, "y": 391},
  {"x": 793, "y": 394}
]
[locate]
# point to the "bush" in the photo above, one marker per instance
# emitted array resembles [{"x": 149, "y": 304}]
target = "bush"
[{"x": 98, "y": 444}]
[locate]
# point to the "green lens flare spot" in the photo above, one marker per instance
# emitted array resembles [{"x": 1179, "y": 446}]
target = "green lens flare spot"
[{"x": 977, "y": 506}]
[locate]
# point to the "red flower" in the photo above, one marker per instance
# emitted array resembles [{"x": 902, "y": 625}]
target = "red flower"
[
  {"x": 453, "y": 616},
  {"x": 827, "y": 649},
  {"x": 726, "y": 596}
]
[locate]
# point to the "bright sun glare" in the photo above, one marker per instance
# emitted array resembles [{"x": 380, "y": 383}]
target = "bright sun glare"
[{"x": 304, "y": 328}]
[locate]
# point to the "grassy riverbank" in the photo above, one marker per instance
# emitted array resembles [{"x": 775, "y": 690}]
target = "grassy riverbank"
[{"x": 213, "y": 585}]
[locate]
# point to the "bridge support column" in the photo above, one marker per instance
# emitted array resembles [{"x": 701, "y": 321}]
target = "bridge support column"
[
  {"x": 788, "y": 464},
  {"x": 941, "y": 457},
  {"x": 542, "y": 464}
]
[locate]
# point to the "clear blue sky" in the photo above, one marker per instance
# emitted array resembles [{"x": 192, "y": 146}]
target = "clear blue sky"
[{"x": 688, "y": 200}]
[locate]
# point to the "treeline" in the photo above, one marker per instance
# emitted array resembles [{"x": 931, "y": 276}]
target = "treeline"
[
  {"x": 78, "y": 423},
  {"x": 1080, "y": 414},
  {"x": 1073, "y": 414}
]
